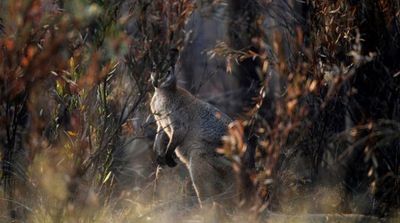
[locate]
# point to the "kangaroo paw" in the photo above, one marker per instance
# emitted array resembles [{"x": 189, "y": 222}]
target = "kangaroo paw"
[{"x": 166, "y": 160}]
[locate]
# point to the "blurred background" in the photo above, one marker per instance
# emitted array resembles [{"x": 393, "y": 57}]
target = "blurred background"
[{"x": 317, "y": 83}]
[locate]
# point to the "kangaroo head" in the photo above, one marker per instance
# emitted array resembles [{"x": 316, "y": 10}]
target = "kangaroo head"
[{"x": 164, "y": 76}]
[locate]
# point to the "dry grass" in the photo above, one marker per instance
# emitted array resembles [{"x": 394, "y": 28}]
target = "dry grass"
[{"x": 74, "y": 95}]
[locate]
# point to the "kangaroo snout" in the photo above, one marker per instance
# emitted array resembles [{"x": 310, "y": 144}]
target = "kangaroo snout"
[
  {"x": 154, "y": 83},
  {"x": 154, "y": 79}
]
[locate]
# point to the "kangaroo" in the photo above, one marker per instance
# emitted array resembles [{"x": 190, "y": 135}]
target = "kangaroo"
[{"x": 192, "y": 129}]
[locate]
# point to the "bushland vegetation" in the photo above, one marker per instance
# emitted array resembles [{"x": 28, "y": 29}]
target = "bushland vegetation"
[{"x": 315, "y": 84}]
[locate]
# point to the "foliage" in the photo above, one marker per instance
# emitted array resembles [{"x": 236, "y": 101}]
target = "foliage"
[
  {"x": 71, "y": 81},
  {"x": 321, "y": 104}
]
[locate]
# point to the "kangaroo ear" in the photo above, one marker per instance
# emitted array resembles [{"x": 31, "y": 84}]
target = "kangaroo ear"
[{"x": 173, "y": 56}]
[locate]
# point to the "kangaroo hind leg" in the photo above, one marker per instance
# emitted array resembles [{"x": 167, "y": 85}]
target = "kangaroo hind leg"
[{"x": 211, "y": 180}]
